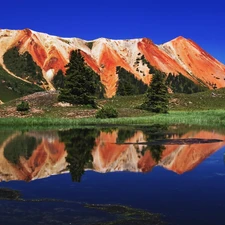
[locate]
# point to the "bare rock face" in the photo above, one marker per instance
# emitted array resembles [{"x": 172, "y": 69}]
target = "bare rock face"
[
  {"x": 197, "y": 62},
  {"x": 103, "y": 55}
]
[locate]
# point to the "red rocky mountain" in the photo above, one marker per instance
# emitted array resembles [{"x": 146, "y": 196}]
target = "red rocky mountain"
[{"x": 103, "y": 55}]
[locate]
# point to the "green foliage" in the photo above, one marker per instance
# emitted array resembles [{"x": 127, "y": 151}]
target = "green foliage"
[
  {"x": 152, "y": 69},
  {"x": 152, "y": 133},
  {"x": 79, "y": 144},
  {"x": 23, "y": 106},
  {"x": 59, "y": 80},
  {"x": 90, "y": 44},
  {"x": 82, "y": 85},
  {"x": 181, "y": 84},
  {"x": 124, "y": 134},
  {"x": 157, "y": 97},
  {"x": 11, "y": 87},
  {"x": 64, "y": 40},
  {"x": 178, "y": 83},
  {"x": 4, "y": 134},
  {"x": 22, "y": 65},
  {"x": 106, "y": 112},
  {"x": 128, "y": 84},
  {"x": 20, "y": 146}
]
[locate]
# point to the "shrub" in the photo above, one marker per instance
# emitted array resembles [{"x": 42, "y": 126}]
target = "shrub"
[
  {"x": 23, "y": 106},
  {"x": 106, "y": 112}
]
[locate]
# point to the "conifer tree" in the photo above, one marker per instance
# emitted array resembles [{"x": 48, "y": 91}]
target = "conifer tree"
[
  {"x": 157, "y": 97},
  {"x": 81, "y": 84},
  {"x": 128, "y": 84},
  {"x": 59, "y": 80}
]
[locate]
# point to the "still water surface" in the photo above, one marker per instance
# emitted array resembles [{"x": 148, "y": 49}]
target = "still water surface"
[{"x": 178, "y": 173}]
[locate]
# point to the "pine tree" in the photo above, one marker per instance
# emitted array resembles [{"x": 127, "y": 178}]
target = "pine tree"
[
  {"x": 59, "y": 80},
  {"x": 81, "y": 84},
  {"x": 157, "y": 97},
  {"x": 128, "y": 84}
]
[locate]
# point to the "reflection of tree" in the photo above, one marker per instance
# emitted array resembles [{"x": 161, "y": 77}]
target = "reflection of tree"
[
  {"x": 109, "y": 130},
  {"x": 156, "y": 152},
  {"x": 20, "y": 146},
  {"x": 79, "y": 143},
  {"x": 124, "y": 134},
  {"x": 153, "y": 133},
  {"x": 4, "y": 135}
]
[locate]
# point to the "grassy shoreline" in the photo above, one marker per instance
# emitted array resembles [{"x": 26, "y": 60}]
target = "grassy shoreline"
[
  {"x": 202, "y": 117},
  {"x": 201, "y": 109}
]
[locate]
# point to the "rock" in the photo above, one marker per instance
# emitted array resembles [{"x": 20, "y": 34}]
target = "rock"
[
  {"x": 63, "y": 104},
  {"x": 10, "y": 194}
]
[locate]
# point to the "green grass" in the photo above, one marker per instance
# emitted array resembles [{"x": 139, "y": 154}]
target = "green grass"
[
  {"x": 203, "y": 118},
  {"x": 205, "y": 109},
  {"x": 12, "y": 88},
  {"x": 213, "y": 99}
]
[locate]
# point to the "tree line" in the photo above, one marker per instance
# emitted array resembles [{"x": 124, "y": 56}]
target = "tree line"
[{"x": 81, "y": 85}]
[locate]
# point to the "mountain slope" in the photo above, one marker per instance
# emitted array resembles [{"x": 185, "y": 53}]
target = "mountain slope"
[
  {"x": 197, "y": 62},
  {"x": 12, "y": 87},
  {"x": 51, "y": 53}
]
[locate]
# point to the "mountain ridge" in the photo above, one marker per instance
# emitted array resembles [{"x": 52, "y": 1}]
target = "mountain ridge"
[{"x": 180, "y": 55}]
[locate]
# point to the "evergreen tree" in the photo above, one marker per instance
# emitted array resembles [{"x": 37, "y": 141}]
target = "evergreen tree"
[
  {"x": 23, "y": 65},
  {"x": 128, "y": 84},
  {"x": 81, "y": 84},
  {"x": 59, "y": 80},
  {"x": 181, "y": 84},
  {"x": 157, "y": 97}
]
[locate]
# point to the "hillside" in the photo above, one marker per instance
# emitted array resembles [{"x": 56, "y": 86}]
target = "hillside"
[
  {"x": 42, "y": 56},
  {"x": 44, "y": 104},
  {"x": 11, "y": 87}
]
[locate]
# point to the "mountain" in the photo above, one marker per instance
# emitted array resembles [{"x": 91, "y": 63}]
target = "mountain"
[{"x": 48, "y": 54}]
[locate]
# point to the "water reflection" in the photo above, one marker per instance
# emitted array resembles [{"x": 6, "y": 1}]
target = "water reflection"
[
  {"x": 32, "y": 155},
  {"x": 156, "y": 132},
  {"x": 79, "y": 144}
]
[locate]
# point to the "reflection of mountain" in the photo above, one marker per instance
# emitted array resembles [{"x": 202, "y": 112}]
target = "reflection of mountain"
[
  {"x": 47, "y": 155},
  {"x": 109, "y": 156},
  {"x": 178, "y": 158},
  {"x": 183, "y": 158},
  {"x": 46, "y": 159}
]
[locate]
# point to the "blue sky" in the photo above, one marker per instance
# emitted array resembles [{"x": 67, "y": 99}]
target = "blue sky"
[{"x": 159, "y": 20}]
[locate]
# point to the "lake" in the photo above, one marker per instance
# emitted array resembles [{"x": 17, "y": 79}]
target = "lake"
[{"x": 113, "y": 175}]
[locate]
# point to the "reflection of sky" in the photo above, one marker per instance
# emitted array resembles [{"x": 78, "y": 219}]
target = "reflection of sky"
[{"x": 196, "y": 197}]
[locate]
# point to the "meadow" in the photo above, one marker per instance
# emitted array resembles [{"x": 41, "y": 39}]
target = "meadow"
[{"x": 203, "y": 108}]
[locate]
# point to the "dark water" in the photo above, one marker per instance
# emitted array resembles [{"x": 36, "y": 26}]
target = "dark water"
[{"x": 178, "y": 173}]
